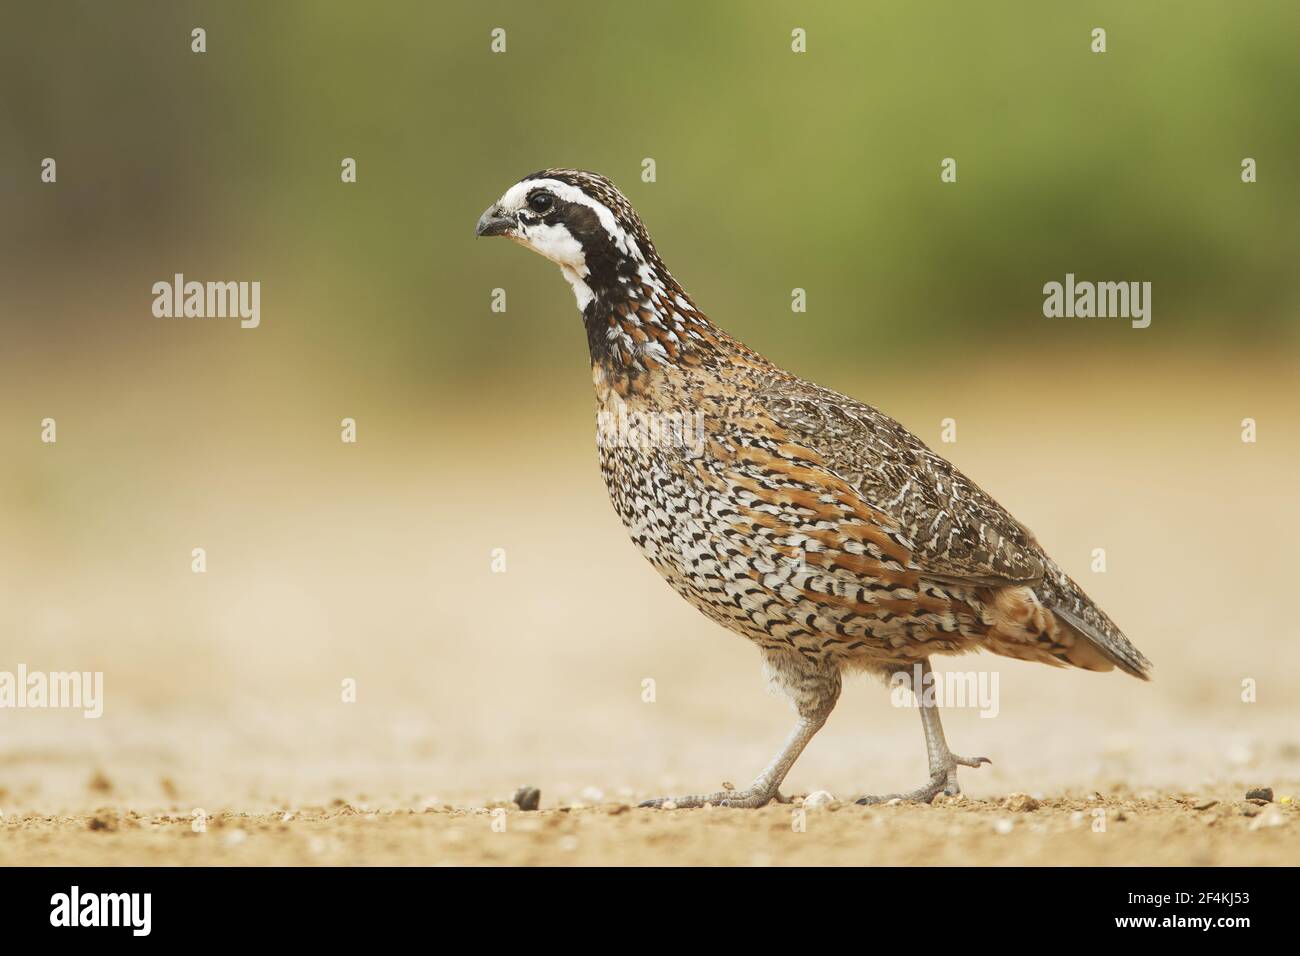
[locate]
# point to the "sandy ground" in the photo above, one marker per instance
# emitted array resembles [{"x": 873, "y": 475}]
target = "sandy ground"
[
  {"x": 1093, "y": 830},
  {"x": 374, "y": 563}
]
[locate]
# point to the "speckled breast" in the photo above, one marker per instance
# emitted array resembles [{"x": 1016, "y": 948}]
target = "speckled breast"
[{"x": 767, "y": 569}]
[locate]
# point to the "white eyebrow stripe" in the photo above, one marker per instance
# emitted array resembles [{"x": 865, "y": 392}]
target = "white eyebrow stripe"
[{"x": 516, "y": 194}]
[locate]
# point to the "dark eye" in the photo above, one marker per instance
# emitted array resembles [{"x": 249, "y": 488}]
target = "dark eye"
[{"x": 541, "y": 202}]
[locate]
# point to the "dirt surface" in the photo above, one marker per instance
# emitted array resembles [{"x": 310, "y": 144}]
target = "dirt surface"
[
  {"x": 1018, "y": 830},
  {"x": 569, "y": 665}
]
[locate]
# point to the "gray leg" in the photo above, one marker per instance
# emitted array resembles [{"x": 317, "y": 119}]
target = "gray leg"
[
  {"x": 813, "y": 690},
  {"x": 943, "y": 762}
]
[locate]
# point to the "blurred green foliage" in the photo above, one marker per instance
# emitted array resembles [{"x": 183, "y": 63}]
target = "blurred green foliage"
[{"x": 775, "y": 169}]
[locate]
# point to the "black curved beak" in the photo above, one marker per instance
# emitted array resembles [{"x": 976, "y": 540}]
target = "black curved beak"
[{"x": 492, "y": 223}]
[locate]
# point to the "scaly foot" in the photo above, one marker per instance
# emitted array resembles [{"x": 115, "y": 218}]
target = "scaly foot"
[
  {"x": 751, "y": 798},
  {"x": 943, "y": 779}
]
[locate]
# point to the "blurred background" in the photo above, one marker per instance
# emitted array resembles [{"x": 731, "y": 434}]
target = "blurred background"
[{"x": 774, "y": 170}]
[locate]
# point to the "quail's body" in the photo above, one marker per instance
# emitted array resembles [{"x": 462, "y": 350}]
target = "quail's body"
[{"x": 811, "y": 524}]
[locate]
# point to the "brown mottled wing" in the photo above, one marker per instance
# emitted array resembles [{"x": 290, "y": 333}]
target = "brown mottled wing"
[{"x": 955, "y": 529}]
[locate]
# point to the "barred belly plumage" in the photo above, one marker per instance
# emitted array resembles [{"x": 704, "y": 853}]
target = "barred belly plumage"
[{"x": 767, "y": 588}]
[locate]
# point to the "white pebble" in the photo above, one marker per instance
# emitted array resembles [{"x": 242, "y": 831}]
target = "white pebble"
[
  {"x": 818, "y": 799},
  {"x": 1272, "y": 817}
]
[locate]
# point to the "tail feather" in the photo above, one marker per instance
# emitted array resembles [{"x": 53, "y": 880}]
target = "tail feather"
[
  {"x": 1076, "y": 610},
  {"x": 1113, "y": 646}
]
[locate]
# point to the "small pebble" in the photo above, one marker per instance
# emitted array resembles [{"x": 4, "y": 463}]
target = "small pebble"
[
  {"x": 1022, "y": 803},
  {"x": 668, "y": 805},
  {"x": 1260, "y": 793},
  {"x": 818, "y": 799},
  {"x": 1003, "y": 826},
  {"x": 1272, "y": 817},
  {"x": 528, "y": 798}
]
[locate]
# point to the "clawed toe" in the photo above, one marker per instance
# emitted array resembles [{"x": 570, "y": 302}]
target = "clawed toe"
[
  {"x": 749, "y": 799},
  {"x": 922, "y": 795},
  {"x": 942, "y": 780}
]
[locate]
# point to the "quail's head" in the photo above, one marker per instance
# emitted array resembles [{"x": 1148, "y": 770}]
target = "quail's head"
[{"x": 578, "y": 220}]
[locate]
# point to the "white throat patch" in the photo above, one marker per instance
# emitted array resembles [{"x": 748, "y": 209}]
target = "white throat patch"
[{"x": 556, "y": 242}]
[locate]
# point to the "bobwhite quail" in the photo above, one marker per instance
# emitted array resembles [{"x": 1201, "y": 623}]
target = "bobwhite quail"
[{"x": 813, "y": 525}]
